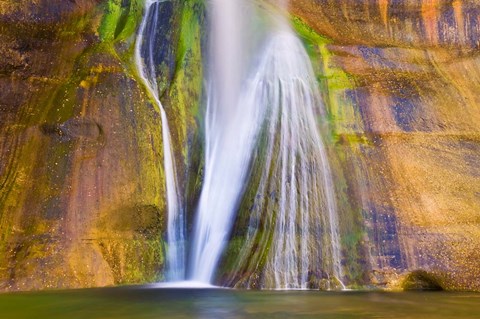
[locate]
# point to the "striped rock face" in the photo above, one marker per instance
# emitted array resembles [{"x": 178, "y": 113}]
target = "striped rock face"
[
  {"x": 82, "y": 195},
  {"x": 406, "y": 129}
]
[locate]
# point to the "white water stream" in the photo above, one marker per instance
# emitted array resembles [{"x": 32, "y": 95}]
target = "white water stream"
[
  {"x": 277, "y": 95},
  {"x": 144, "y": 53},
  {"x": 232, "y": 122},
  {"x": 261, "y": 99},
  {"x": 296, "y": 178}
]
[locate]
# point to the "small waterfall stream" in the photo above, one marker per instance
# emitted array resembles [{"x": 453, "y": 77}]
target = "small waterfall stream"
[
  {"x": 295, "y": 198},
  {"x": 144, "y": 60}
]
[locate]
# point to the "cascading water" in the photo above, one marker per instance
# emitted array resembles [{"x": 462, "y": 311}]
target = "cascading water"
[
  {"x": 269, "y": 111},
  {"x": 231, "y": 127},
  {"x": 145, "y": 62},
  {"x": 262, "y": 106},
  {"x": 295, "y": 204}
]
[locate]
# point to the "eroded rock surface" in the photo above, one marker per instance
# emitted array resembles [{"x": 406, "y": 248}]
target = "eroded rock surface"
[
  {"x": 406, "y": 128},
  {"x": 82, "y": 198}
]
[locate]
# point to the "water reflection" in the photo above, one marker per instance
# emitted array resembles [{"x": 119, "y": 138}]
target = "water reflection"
[
  {"x": 226, "y": 303},
  {"x": 220, "y": 306}
]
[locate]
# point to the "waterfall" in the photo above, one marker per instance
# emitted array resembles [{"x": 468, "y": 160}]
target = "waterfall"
[
  {"x": 262, "y": 110},
  {"x": 295, "y": 191},
  {"x": 147, "y": 69},
  {"x": 231, "y": 127},
  {"x": 270, "y": 110}
]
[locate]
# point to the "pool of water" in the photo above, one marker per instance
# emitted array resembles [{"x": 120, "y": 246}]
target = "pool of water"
[{"x": 145, "y": 302}]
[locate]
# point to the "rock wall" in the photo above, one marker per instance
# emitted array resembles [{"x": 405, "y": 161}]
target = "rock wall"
[
  {"x": 82, "y": 196},
  {"x": 404, "y": 111}
]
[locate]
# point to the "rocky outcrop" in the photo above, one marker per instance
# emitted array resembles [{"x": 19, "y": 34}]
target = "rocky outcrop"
[
  {"x": 82, "y": 196},
  {"x": 402, "y": 79}
]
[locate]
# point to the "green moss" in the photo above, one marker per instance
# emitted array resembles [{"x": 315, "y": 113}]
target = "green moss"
[
  {"x": 120, "y": 20},
  {"x": 110, "y": 19},
  {"x": 334, "y": 82},
  {"x": 135, "y": 261},
  {"x": 342, "y": 138},
  {"x": 186, "y": 87},
  {"x": 145, "y": 220},
  {"x": 307, "y": 33}
]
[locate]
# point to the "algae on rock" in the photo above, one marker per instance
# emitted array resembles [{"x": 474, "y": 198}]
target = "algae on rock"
[
  {"x": 82, "y": 195},
  {"x": 82, "y": 198}
]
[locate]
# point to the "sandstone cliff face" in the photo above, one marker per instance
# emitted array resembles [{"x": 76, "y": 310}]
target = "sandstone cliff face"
[
  {"x": 405, "y": 130},
  {"x": 82, "y": 196}
]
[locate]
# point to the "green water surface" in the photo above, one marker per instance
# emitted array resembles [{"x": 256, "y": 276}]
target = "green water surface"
[{"x": 224, "y": 303}]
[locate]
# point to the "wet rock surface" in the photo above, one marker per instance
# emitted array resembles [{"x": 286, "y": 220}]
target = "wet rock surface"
[
  {"x": 82, "y": 197},
  {"x": 406, "y": 129}
]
